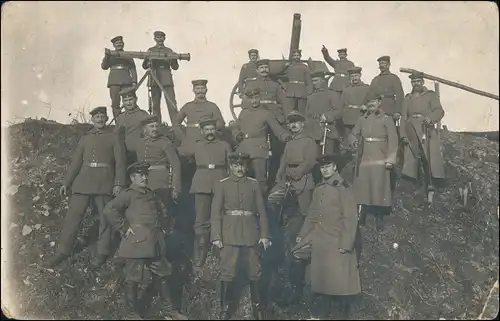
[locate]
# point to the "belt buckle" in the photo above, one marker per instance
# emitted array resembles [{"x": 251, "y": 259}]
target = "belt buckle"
[
  {"x": 93, "y": 164},
  {"x": 246, "y": 136},
  {"x": 342, "y": 75},
  {"x": 211, "y": 166}
]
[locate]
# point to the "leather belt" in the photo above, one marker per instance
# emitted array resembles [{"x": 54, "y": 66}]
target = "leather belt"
[
  {"x": 163, "y": 67},
  {"x": 193, "y": 125},
  {"x": 239, "y": 213},
  {"x": 375, "y": 139},
  {"x": 119, "y": 67},
  {"x": 297, "y": 82},
  {"x": 342, "y": 74},
  {"x": 211, "y": 166},
  {"x": 393, "y": 96},
  {"x": 247, "y": 136},
  {"x": 248, "y": 79},
  {"x": 95, "y": 164},
  {"x": 157, "y": 167},
  {"x": 268, "y": 102},
  {"x": 353, "y": 106},
  {"x": 417, "y": 115},
  {"x": 293, "y": 165}
]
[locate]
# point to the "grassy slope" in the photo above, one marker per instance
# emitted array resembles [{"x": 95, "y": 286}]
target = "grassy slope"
[{"x": 445, "y": 265}]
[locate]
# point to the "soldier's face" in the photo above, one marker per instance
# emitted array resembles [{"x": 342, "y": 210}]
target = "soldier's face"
[
  {"x": 296, "y": 126},
  {"x": 129, "y": 102},
  {"x": 317, "y": 82},
  {"x": 383, "y": 65},
  {"x": 118, "y": 45},
  {"x": 99, "y": 120},
  {"x": 296, "y": 56},
  {"x": 355, "y": 78},
  {"x": 417, "y": 84},
  {"x": 139, "y": 179},
  {"x": 160, "y": 40},
  {"x": 253, "y": 57},
  {"x": 263, "y": 70},
  {"x": 328, "y": 170},
  {"x": 342, "y": 55},
  {"x": 208, "y": 131},
  {"x": 238, "y": 170},
  {"x": 200, "y": 91},
  {"x": 255, "y": 101},
  {"x": 372, "y": 106},
  {"x": 151, "y": 130}
]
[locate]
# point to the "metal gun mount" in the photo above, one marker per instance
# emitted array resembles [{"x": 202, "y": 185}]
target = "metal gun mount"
[
  {"x": 278, "y": 64},
  {"x": 153, "y": 55}
]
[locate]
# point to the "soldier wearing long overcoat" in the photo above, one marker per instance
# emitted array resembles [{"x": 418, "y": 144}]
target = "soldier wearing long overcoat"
[{"x": 376, "y": 140}]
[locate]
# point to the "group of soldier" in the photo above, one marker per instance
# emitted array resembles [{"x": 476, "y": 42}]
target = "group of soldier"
[{"x": 287, "y": 141}]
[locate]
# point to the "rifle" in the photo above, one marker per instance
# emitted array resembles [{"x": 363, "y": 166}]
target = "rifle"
[{"x": 287, "y": 190}]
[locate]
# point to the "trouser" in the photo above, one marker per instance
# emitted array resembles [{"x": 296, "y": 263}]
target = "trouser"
[
  {"x": 156, "y": 94},
  {"x": 293, "y": 222},
  {"x": 259, "y": 167},
  {"x": 277, "y": 148},
  {"x": 202, "y": 203},
  {"x": 141, "y": 270},
  {"x": 114, "y": 93},
  {"x": 321, "y": 305},
  {"x": 296, "y": 103},
  {"x": 240, "y": 258},
  {"x": 78, "y": 205}
]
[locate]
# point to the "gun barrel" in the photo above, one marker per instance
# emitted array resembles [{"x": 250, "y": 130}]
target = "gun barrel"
[
  {"x": 295, "y": 38},
  {"x": 453, "y": 84},
  {"x": 151, "y": 55}
]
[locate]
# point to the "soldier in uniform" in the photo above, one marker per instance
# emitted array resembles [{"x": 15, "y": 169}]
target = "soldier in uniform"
[
  {"x": 299, "y": 84},
  {"x": 273, "y": 99},
  {"x": 139, "y": 217},
  {"x": 248, "y": 71},
  {"x": 421, "y": 111},
  {"x": 352, "y": 100},
  {"x": 387, "y": 86},
  {"x": 131, "y": 120},
  {"x": 251, "y": 132},
  {"x": 210, "y": 155},
  {"x": 375, "y": 138},
  {"x": 123, "y": 73},
  {"x": 163, "y": 70},
  {"x": 239, "y": 228},
  {"x": 194, "y": 111},
  {"x": 323, "y": 109},
  {"x": 340, "y": 66},
  {"x": 97, "y": 172},
  {"x": 328, "y": 240}
]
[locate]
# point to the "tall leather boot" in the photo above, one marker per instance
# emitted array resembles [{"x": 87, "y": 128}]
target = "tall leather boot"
[
  {"x": 169, "y": 301},
  {"x": 255, "y": 298},
  {"x": 226, "y": 296},
  {"x": 131, "y": 301}
]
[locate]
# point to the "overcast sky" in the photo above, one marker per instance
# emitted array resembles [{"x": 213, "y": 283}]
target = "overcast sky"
[{"x": 51, "y": 51}]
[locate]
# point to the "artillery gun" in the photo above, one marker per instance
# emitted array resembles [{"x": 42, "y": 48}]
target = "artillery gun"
[{"x": 276, "y": 65}]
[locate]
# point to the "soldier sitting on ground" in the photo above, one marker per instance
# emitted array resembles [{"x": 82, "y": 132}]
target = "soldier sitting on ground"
[
  {"x": 239, "y": 228},
  {"x": 138, "y": 214}
]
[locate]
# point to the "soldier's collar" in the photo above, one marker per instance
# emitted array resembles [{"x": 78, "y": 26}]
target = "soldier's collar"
[
  {"x": 160, "y": 46},
  {"x": 133, "y": 110},
  {"x": 234, "y": 178},
  {"x": 385, "y": 72},
  {"x": 206, "y": 141},
  {"x": 319, "y": 89},
  {"x": 298, "y": 135},
  {"x": 151, "y": 138},
  {"x": 139, "y": 189},
  {"x": 335, "y": 180},
  {"x": 99, "y": 131},
  {"x": 196, "y": 100}
]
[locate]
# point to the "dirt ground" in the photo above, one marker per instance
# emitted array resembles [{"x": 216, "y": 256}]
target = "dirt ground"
[{"x": 444, "y": 267}]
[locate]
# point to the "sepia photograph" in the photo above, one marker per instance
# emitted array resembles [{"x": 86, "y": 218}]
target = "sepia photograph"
[{"x": 225, "y": 160}]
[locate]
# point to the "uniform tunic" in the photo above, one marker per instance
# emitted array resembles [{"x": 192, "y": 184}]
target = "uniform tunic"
[
  {"x": 378, "y": 144},
  {"x": 340, "y": 66},
  {"x": 248, "y": 73},
  {"x": 322, "y": 101},
  {"x": 195, "y": 111},
  {"x": 415, "y": 108},
  {"x": 131, "y": 120},
  {"x": 144, "y": 251},
  {"x": 352, "y": 99},
  {"x": 162, "y": 67},
  {"x": 272, "y": 97},
  {"x": 330, "y": 225},
  {"x": 389, "y": 86},
  {"x": 123, "y": 71},
  {"x": 239, "y": 220}
]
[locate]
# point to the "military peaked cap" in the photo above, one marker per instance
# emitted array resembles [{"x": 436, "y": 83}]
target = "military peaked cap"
[
  {"x": 262, "y": 62},
  {"x": 294, "y": 116},
  {"x": 252, "y": 92},
  {"x": 354, "y": 70},
  {"x": 207, "y": 121},
  {"x": 199, "y": 82},
  {"x": 342, "y": 50},
  {"x": 253, "y": 51},
  {"x": 328, "y": 159},
  {"x": 138, "y": 167},
  {"x": 238, "y": 158},
  {"x": 117, "y": 38},
  {"x": 384, "y": 58},
  {"x": 416, "y": 75},
  {"x": 98, "y": 110},
  {"x": 127, "y": 91},
  {"x": 159, "y": 33},
  {"x": 150, "y": 119},
  {"x": 296, "y": 50},
  {"x": 316, "y": 74}
]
